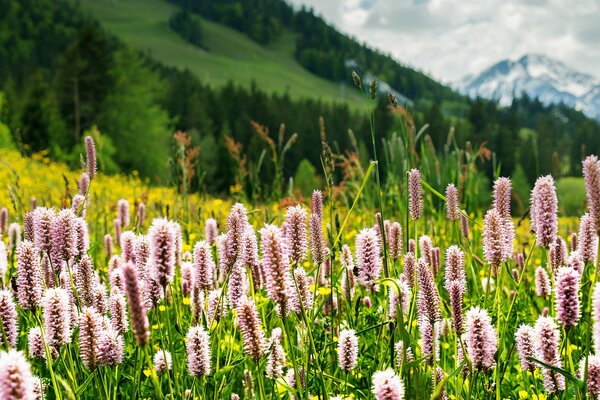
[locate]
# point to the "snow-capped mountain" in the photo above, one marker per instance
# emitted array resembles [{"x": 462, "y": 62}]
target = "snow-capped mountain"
[{"x": 545, "y": 78}]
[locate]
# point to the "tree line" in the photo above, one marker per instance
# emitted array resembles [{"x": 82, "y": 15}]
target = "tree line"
[{"x": 62, "y": 75}]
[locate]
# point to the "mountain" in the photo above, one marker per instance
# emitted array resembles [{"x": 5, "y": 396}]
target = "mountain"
[{"x": 538, "y": 76}]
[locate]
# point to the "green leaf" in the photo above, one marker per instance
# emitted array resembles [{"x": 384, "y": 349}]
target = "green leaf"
[
  {"x": 68, "y": 391},
  {"x": 561, "y": 371}
]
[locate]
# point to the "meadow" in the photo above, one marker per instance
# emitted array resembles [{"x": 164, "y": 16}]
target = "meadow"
[{"x": 115, "y": 289}]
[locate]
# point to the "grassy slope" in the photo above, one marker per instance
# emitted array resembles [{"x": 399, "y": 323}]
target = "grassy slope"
[{"x": 230, "y": 56}]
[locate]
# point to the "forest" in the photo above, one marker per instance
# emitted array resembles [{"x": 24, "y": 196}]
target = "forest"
[{"x": 65, "y": 75}]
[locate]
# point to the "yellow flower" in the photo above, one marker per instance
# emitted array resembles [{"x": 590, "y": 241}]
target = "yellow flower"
[
  {"x": 523, "y": 395},
  {"x": 162, "y": 307},
  {"x": 186, "y": 301}
]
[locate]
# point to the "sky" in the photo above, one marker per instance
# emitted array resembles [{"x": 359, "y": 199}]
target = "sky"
[{"x": 449, "y": 39}]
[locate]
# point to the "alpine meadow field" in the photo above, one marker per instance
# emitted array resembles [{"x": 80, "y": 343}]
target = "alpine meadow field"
[
  {"x": 115, "y": 289},
  {"x": 262, "y": 200}
]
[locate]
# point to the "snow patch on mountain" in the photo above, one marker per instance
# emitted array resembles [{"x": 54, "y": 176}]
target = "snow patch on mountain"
[{"x": 538, "y": 76}]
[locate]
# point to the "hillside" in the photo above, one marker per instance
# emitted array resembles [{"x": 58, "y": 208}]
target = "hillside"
[{"x": 230, "y": 55}]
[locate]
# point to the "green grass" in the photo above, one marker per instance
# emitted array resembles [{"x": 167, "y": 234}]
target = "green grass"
[{"x": 229, "y": 55}]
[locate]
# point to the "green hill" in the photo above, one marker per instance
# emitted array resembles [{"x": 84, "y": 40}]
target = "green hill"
[{"x": 229, "y": 55}]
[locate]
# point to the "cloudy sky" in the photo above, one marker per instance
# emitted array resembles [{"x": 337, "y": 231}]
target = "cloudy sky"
[{"x": 451, "y": 38}]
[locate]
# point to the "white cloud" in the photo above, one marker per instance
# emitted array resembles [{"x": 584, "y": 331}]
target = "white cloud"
[{"x": 451, "y": 38}]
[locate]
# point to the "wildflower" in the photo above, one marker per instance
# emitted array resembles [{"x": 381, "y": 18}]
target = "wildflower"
[
  {"x": 237, "y": 284},
  {"x": 591, "y": 175},
  {"x": 237, "y": 223},
  {"x": 593, "y": 378},
  {"x": 588, "y": 239},
  {"x": 464, "y": 226},
  {"x": 574, "y": 241},
  {"x": 204, "y": 266},
  {"x": 455, "y": 266},
  {"x": 428, "y": 301},
  {"x": 78, "y": 205},
  {"x": 56, "y": 317},
  {"x": 16, "y": 380},
  {"x": 436, "y": 379},
  {"x": 108, "y": 245},
  {"x": 567, "y": 297},
  {"x": 502, "y": 189},
  {"x": 3, "y": 220},
  {"x": 90, "y": 156},
  {"x": 250, "y": 326},
  {"x": 163, "y": 361},
  {"x": 127, "y": 246},
  {"x": 367, "y": 257},
  {"x": 14, "y": 235},
  {"x": 118, "y": 311},
  {"x": 141, "y": 254},
  {"x": 117, "y": 227},
  {"x": 211, "y": 231},
  {"x": 525, "y": 339},
  {"x": 557, "y": 254},
  {"x": 426, "y": 248},
  {"x": 42, "y": 223},
  {"x": 304, "y": 294},
  {"x": 399, "y": 298},
  {"x": 141, "y": 214},
  {"x": 430, "y": 333},
  {"x": 178, "y": 242},
  {"x": 89, "y": 336},
  {"x": 84, "y": 183},
  {"x": 452, "y": 210},
  {"x": 291, "y": 379},
  {"x": 198, "y": 351},
  {"x": 85, "y": 281},
  {"x": 187, "y": 278},
  {"x": 162, "y": 250},
  {"x": 83, "y": 240},
  {"x": 295, "y": 235},
  {"x": 276, "y": 266},
  {"x": 276, "y": 359},
  {"x": 29, "y": 280},
  {"x": 35, "y": 343},
  {"x": 347, "y": 281},
  {"x": 415, "y": 194},
  {"x": 347, "y": 350},
  {"x": 575, "y": 261},
  {"x": 456, "y": 289},
  {"x": 216, "y": 305},
  {"x": 316, "y": 228},
  {"x": 64, "y": 236},
  {"x": 110, "y": 348},
  {"x": 494, "y": 237},
  {"x": 251, "y": 258},
  {"x": 542, "y": 282},
  {"x": 409, "y": 269},
  {"x": 547, "y": 335},
  {"x": 399, "y": 348},
  {"x": 544, "y": 206},
  {"x": 481, "y": 339},
  {"x": 137, "y": 307},
  {"x": 394, "y": 240},
  {"x": 435, "y": 260},
  {"x": 28, "y": 228},
  {"x": 8, "y": 319},
  {"x": 387, "y": 385}
]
